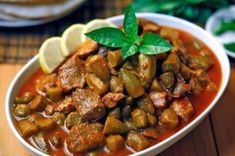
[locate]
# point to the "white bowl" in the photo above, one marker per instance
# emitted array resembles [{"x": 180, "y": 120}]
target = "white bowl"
[
  {"x": 214, "y": 21},
  {"x": 196, "y": 31}
]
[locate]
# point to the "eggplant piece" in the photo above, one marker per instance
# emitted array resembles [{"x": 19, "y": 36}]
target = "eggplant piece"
[
  {"x": 132, "y": 84},
  {"x": 156, "y": 86},
  {"x": 72, "y": 119},
  {"x": 96, "y": 84},
  {"x": 139, "y": 117},
  {"x": 147, "y": 69},
  {"x": 129, "y": 123},
  {"x": 171, "y": 64},
  {"x": 98, "y": 64},
  {"x": 114, "y": 142},
  {"x": 27, "y": 128},
  {"x": 115, "y": 113},
  {"x": 137, "y": 141},
  {"x": 114, "y": 58},
  {"x": 152, "y": 120},
  {"x": 114, "y": 126},
  {"x": 146, "y": 104},
  {"x": 167, "y": 80},
  {"x": 22, "y": 110},
  {"x": 41, "y": 142},
  {"x": 169, "y": 119},
  {"x": 116, "y": 85},
  {"x": 126, "y": 112}
]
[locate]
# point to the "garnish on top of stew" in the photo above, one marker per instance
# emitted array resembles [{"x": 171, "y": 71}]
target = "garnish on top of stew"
[{"x": 120, "y": 92}]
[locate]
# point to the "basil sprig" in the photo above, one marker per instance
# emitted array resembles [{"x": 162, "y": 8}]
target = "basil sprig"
[{"x": 128, "y": 39}]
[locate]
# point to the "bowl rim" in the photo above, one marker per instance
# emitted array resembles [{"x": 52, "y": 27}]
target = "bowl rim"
[{"x": 170, "y": 140}]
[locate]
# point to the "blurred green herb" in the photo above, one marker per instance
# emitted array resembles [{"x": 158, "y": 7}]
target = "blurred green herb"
[
  {"x": 128, "y": 40},
  {"x": 225, "y": 26},
  {"x": 192, "y": 10},
  {"x": 230, "y": 46}
]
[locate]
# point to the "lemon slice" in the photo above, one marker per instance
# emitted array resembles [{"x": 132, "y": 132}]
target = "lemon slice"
[
  {"x": 71, "y": 38},
  {"x": 50, "y": 54},
  {"x": 95, "y": 24}
]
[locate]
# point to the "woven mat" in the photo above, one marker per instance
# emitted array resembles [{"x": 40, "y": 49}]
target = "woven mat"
[{"x": 17, "y": 46}]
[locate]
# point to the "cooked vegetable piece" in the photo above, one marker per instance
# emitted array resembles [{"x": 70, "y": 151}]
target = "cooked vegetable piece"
[
  {"x": 22, "y": 110},
  {"x": 85, "y": 137},
  {"x": 169, "y": 118},
  {"x": 129, "y": 123},
  {"x": 45, "y": 123},
  {"x": 129, "y": 66},
  {"x": 116, "y": 85},
  {"x": 98, "y": 64},
  {"x": 114, "y": 58},
  {"x": 38, "y": 103},
  {"x": 41, "y": 142},
  {"x": 115, "y": 113},
  {"x": 103, "y": 51},
  {"x": 66, "y": 105},
  {"x": 27, "y": 128},
  {"x": 72, "y": 119},
  {"x": 171, "y": 64},
  {"x": 87, "y": 48},
  {"x": 96, "y": 84},
  {"x": 129, "y": 100},
  {"x": 169, "y": 33},
  {"x": 185, "y": 71},
  {"x": 147, "y": 69},
  {"x": 88, "y": 104},
  {"x": 35, "y": 117},
  {"x": 180, "y": 50},
  {"x": 150, "y": 132},
  {"x": 146, "y": 104},
  {"x": 139, "y": 117},
  {"x": 126, "y": 112},
  {"x": 72, "y": 74},
  {"x": 132, "y": 84},
  {"x": 114, "y": 142},
  {"x": 158, "y": 99},
  {"x": 148, "y": 26},
  {"x": 54, "y": 93},
  {"x": 156, "y": 86},
  {"x": 26, "y": 98},
  {"x": 167, "y": 80},
  {"x": 114, "y": 126},
  {"x": 59, "y": 118},
  {"x": 111, "y": 100},
  {"x": 152, "y": 120},
  {"x": 200, "y": 62},
  {"x": 55, "y": 141},
  {"x": 137, "y": 141},
  {"x": 45, "y": 82},
  {"x": 183, "y": 108},
  {"x": 49, "y": 109}
]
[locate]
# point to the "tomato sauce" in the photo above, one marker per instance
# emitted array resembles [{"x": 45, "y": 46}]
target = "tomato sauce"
[{"x": 200, "y": 102}]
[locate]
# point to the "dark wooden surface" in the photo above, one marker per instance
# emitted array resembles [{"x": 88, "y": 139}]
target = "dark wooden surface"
[{"x": 215, "y": 136}]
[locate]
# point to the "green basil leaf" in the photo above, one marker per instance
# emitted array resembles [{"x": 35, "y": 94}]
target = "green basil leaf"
[
  {"x": 130, "y": 23},
  {"x": 108, "y": 36},
  {"x": 154, "y": 44},
  {"x": 128, "y": 49}
]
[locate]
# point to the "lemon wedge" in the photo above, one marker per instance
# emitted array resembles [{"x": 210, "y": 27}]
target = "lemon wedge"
[
  {"x": 71, "y": 39},
  {"x": 95, "y": 24},
  {"x": 50, "y": 54}
]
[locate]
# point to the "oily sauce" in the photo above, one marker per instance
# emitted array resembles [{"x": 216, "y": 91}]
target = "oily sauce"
[{"x": 200, "y": 102}]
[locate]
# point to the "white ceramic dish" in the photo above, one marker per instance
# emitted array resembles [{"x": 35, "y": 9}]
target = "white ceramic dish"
[
  {"x": 215, "y": 19},
  {"x": 196, "y": 31},
  {"x": 54, "y": 13}
]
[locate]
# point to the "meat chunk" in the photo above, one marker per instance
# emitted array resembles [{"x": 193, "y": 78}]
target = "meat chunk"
[
  {"x": 111, "y": 100},
  {"x": 72, "y": 74},
  {"x": 85, "y": 137},
  {"x": 88, "y": 104},
  {"x": 65, "y": 106},
  {"x": 172, "y": 63},
  {"x": 183, "y": 108},
  {"x": 181, "y": 87},
  {"x": 49, "y": 110},
  {"x": 87, "y": 47},
  {"x": 149, "y": 26},
  {"x": 159, "y": 99}
]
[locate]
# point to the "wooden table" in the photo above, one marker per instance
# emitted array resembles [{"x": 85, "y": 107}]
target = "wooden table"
[{"x": 214, "y": 136}]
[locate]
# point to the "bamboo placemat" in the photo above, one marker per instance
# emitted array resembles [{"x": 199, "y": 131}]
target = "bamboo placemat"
[{"x": 17, "y": 46}]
